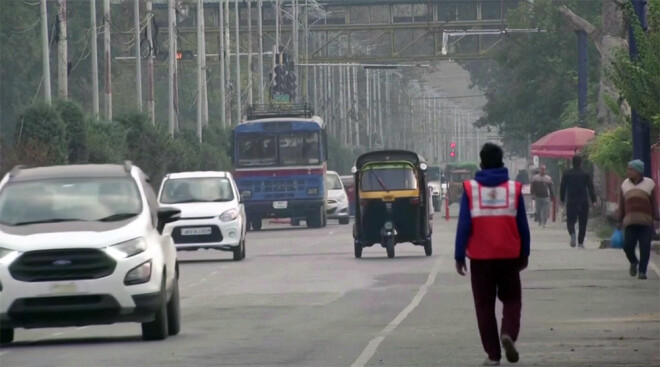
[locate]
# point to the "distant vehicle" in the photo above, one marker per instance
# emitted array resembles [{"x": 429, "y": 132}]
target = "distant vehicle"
[
  {"x": 280, "y": 157},
  {"x": 212, "y": 212},
  {"x": 349, "y": 187},
  {"x": 456, "y": 173},
  {"x": 83, "y": 245},
  {"x": 337, "y": 198},
  {"x": 434, "y": 177}
]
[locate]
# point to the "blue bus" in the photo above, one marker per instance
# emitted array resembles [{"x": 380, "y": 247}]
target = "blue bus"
[{"x": 280, "y": 164}]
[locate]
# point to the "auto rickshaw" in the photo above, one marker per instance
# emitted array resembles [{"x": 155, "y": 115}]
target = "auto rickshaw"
[{"x": 392, "y": 201}]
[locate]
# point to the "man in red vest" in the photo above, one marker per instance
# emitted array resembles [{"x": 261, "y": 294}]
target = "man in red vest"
[{"x": 494, "y": 233}]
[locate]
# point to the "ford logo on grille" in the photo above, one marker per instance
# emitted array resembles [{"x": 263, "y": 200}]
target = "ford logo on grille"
[{"x": 62, "y": 262}]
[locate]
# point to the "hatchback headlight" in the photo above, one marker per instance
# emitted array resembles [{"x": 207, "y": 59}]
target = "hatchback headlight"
[
  {"x": 128, "y": 248},
  {"x": 5, "y": 251},
  {"x": 139, "y": 274},
  {"x": 229, "y": 215}
]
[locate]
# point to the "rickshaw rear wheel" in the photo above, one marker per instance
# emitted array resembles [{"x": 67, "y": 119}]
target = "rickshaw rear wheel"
[
  {"x": 389, "y": 246},
  {"x": 428, "y": 247},
  {"x": 358, "y": 250}
]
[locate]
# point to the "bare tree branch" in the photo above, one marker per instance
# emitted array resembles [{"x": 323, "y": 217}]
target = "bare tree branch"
[{"x": 581, "y": 24}]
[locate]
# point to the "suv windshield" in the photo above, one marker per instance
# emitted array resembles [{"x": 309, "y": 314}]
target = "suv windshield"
[
  {"x": 197, "y": 190},
  {"x": 333, "y": 182},
  {"x": 388, "y": 179},
  {"x": 70, "y": 199}
]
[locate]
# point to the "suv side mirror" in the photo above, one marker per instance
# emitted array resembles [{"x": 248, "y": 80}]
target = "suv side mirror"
[{"x": 167, "y": 215}]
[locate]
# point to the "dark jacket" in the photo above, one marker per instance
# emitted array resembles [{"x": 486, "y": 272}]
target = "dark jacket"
[
  {"x": 577, "y": 186},
  {"x": 489, "y": 177}
]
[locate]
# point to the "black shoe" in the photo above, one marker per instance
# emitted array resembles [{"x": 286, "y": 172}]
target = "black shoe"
[
  {"x": 642, "y": 276},
  {"x": 510, "y": 349},
  {"x": 633, "y": 270}
]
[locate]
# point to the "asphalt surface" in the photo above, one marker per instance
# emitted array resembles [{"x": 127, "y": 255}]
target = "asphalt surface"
[{"x": 300, "y": 298}]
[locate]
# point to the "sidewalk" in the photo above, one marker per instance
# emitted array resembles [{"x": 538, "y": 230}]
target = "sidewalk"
[{"x": 580, "y": 308}]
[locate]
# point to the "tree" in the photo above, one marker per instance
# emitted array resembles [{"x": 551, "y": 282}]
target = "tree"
[
  {"x": 533, "y": 76},
  {"x": 42, "y": 129},
  {"x": 77, "y": 127}
]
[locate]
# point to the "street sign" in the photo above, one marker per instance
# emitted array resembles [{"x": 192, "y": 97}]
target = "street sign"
[
  {"x": 536, "y": 161},
  {"x": 280, "y": 97}
]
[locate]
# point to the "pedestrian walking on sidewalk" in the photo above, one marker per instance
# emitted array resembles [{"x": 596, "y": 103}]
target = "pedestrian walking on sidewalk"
[
  {"x": 577, "y": 192},
  {"x": 638, "y": 213},
  {"x": 542, "y": 194},
  {"x": 494, "y": 233}
]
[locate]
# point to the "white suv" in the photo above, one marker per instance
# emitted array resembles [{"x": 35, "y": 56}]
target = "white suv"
[
  {"x": 212, "y": 212},
  {"x": 82, "y": 245}
]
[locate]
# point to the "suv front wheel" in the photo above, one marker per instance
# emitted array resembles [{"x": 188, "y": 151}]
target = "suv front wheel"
[
  {"x": 158, "y": 329},
  {"x": 6, "y": 335}
]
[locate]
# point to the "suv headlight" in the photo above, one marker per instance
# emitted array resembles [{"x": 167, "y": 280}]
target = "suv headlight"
[
  {"x": 128, "y": 248},
  {"x": 139, "y": 274},
  {"x": 229, "y": 215}
]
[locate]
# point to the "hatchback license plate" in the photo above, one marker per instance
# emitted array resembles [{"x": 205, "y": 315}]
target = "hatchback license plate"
[
  {"x": 61, "y": 289},
  {"x": 280, "y": 204},
  {"x": 196, "y": 231}
]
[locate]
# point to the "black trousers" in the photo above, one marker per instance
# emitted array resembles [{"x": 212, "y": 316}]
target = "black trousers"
[
  {"x": 492, "y": 279},
  {"x": 577, "y": 212},
  {"x": 643, "y": 235}
]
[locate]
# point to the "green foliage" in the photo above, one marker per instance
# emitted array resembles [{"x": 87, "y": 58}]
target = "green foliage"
[
  {"x": 42, "y": 125},
  {"x": 76, "y": 130},
  {"x": 106, "y": 143},
  {"x": 340, "y": 159},
  {"x": 638, "y": 81},
  {"x": 612, "y": 149},
  {"x": 533, "y": 76}
]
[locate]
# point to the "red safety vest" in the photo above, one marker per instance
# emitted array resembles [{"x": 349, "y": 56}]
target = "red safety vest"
[{"x": 494, "y": 228}]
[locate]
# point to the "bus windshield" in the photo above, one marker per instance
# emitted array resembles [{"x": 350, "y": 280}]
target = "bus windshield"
[{"x": 283, "y": 149}]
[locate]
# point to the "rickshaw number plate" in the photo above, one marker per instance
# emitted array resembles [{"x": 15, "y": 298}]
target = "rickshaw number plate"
[{"x": 280, "y": 204}]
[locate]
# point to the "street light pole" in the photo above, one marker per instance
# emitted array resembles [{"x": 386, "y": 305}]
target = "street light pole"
[
  {"x": 95, "y": 61},
  {"x": 641, "y": 130},
  {"x": 138, "y": 58},
  {"x": 261, "y": 51},
  {"x": 222, "y": 51}
]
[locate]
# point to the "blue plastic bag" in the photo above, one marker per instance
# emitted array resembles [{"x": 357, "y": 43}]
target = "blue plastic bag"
[{"x": 617, "y": 239}]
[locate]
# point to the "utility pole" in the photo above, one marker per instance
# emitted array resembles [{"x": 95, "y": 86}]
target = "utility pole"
[
  {"x": 200, "y": 57},
  {"x": 151, "y": 105},
  {"x": 205, "y": 94},
  {"x": 95, "y": 61},
  {"x": 277, "y": 27},
  {"x": 368, "y": 94},
  {"x": 45, "y": 52},
  {"x": 107, "y": 60},
  {"x": 356, "y": 103},
  {"x": 138, "y": 57},
  {"x": 306, "y": 51},
  {"x": 582, "y": 77},
  {"x": 294, "y": 35},
  {"x": 239, "y": 102},
  {"x": 641, "y": 130},
  {"x": 171, "y": 58},
  {"x": 249, "y": 53},
  {"x": 227, "y": 55},
  {"x": 380, "y": 111},
  {"x": 222, "y": 51},
  {"x": 261, "y": 50},
  {"x": 62, "y": 53}
]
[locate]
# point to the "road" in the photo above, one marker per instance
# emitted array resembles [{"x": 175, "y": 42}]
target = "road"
[{"x": 302, "y": 299}]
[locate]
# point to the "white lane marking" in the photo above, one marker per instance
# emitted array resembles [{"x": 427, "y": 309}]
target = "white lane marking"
[
  {"x": 202, "y": 280},
  {"x": 214, "y": 272},
  {"x": 58, "y": 333},
  {"x": 371, "y": 348}
]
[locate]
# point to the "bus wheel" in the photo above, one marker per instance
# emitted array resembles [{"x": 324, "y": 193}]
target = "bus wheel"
[{"x": 315, "y": 220}]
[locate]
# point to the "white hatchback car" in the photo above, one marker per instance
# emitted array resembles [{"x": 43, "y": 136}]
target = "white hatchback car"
[
  {"x": 337, "y": 206},
  {"x": 83, "y": 245},
  {"x": 212, "y": 212}
]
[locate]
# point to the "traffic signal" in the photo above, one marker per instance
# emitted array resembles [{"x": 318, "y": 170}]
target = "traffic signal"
[
  {"x": 185, "y": 55},
  {"x": 453, "y": 150},
  {"x": 290, "y": 82}
]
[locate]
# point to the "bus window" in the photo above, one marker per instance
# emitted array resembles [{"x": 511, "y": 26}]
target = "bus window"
[
  {"x": 299, "y": 148},
  {"x": 257, "y": 150}
]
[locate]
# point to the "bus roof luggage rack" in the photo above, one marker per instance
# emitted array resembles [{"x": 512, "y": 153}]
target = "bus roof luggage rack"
[{"x": 260, "y": 111}]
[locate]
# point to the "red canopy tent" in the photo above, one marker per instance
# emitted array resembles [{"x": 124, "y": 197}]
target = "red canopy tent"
[{"x": 564, "y": 143}]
